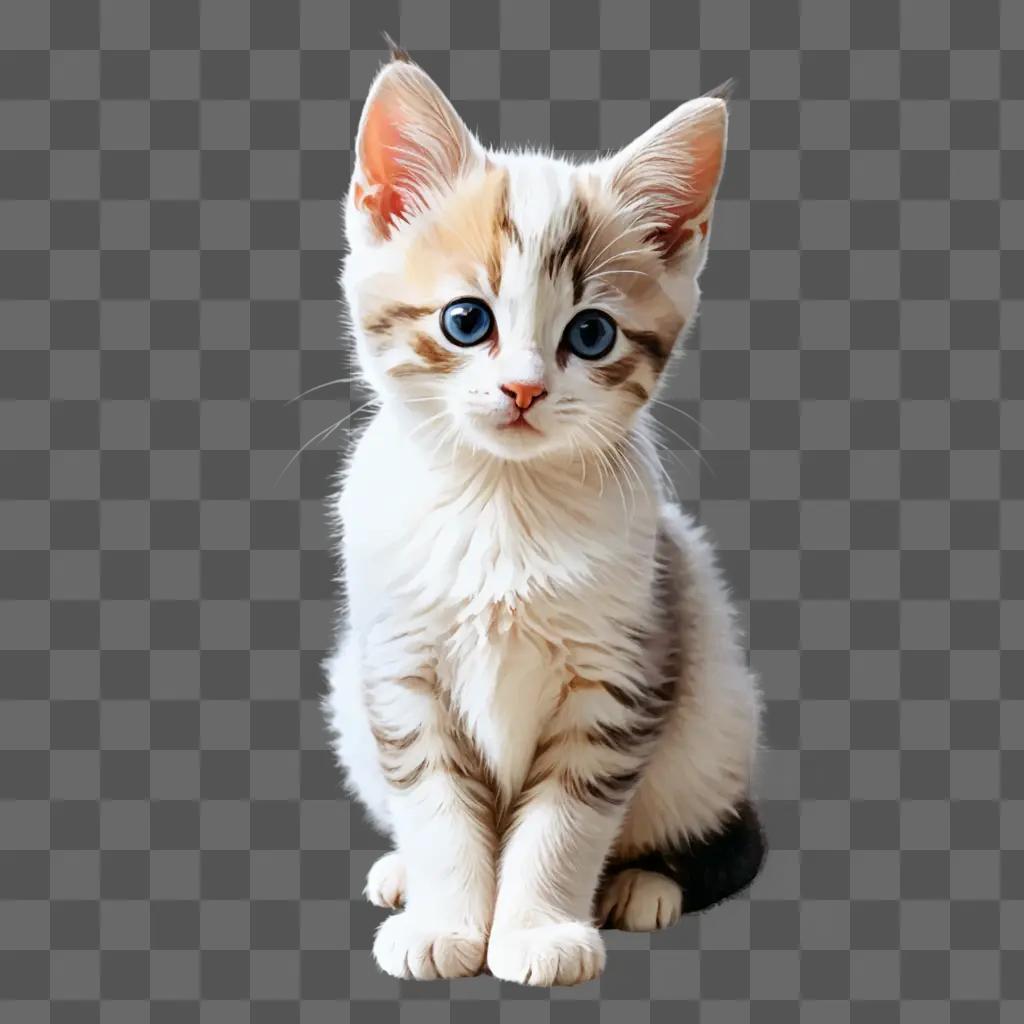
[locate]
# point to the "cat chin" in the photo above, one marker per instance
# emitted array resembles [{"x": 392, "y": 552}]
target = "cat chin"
[{"x": 512, "y": 445}]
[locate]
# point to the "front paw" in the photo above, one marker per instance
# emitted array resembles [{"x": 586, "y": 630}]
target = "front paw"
[
  {"x": 561, "y": 953},
  {"x": 413, "y": 947},
  {"x": 385, "y": 883}
]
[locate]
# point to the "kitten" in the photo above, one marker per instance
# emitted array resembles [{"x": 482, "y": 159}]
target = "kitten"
[{"x": 538, "y": 691}]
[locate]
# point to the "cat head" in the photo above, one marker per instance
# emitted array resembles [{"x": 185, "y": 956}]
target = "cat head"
[{"x": 521, "y": 303}]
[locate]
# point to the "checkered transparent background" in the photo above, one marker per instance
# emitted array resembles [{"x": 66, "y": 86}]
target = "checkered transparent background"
[{"x": 173, "y": 843}]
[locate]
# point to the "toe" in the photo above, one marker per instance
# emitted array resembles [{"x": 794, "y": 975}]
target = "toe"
[
  {"x": 407, "y": 947},
  {"x": 385, "y": 882},
  {"x": 641, "y": 901},
  {"x": 561, "y": 953}
]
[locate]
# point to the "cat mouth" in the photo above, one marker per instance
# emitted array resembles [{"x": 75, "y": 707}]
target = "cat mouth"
[{"x": 519, "y": 423}]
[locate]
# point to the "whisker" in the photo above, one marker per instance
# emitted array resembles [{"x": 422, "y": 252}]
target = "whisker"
[
  {"x": 603, "y": 463},
  {"x": 631, "y": 440},
  {"x": 583, "y": 460},
  {"x": 627, "y": 462},
  {"x": 430, "y": 419},
  {"x": 689, "y": 446},
  {"x": 603, "y": 456},
  {"x": 323, "y": 435},
  {"x": 630, "y": 465},
  {"x": 444, "y": 437},
  {"x": 326, "y": 384},
  {"x": 625, "y": 231},
  {"x": 682, "y": 412},
  {"x": 607, "y": 285},
  {"x": 663, "y": 447},
  {"x": 616, "y": 273},
  {"x": 616, "y": 256},
  {"x": 600, "y": 477},
  {"x": 620, "y": 457},
  {"x": 596, "y": 229}
]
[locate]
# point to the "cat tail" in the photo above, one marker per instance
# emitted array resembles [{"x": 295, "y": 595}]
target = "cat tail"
[{"x": 714, "y": 868}]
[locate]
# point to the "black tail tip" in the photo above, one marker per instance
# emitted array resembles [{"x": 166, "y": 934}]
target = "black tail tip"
[{"x": 715, "y": 868}]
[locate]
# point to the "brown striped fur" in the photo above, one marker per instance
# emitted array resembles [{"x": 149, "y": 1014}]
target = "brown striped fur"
[
  {"x": 440, "y": 744},
  {"x": 436, "y": 359},
  {"x": 611, "y": 375},
  {"x": 624, "y": 746},
  {"x": 591, "y": 246},
  {"x": 504, "y": 223},
  {"x": 568, "y": 248},
  {"x": 469, "y": 239},
  {"x": 594, "y": 247},
  {"x": 656, "y": 348},
  {"x": 503, "y": 231},
  {"x": 386, "y": 318},
  {"x": 637, "y": 390}
]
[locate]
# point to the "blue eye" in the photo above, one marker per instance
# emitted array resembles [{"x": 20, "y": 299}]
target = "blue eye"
[
  {"x": 590, "y": 334},
  {"x": 466, "y": 322}
]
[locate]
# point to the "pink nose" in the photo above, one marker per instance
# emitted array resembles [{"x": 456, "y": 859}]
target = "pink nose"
[{"x": 524, "y": 393}]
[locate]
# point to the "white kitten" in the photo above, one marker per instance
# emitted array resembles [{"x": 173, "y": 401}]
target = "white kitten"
[{"x": 538, "y": 690}]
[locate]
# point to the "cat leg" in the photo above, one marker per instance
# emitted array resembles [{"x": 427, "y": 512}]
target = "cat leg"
[
  {"x": 561, "y": 830},
  {"x": 442, "y": 814}
]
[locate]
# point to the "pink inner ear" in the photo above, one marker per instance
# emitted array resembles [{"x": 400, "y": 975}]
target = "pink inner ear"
[
  {"x": 379, "y": 159},
  {"x": 705, "y": 150}
]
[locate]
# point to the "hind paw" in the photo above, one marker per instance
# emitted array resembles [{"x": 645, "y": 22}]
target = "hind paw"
[{"x": 640, "y": 901}]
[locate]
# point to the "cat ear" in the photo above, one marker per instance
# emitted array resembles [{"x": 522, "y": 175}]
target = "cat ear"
[
  {"x": 669, "y": 175},
  {"x": 411, "y": 144}
]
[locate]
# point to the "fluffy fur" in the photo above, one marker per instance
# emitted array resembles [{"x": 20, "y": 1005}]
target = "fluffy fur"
[{"x": 538, "y": 690}]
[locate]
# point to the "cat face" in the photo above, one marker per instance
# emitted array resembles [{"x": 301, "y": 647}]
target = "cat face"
[{"x": 517, "y": 302}]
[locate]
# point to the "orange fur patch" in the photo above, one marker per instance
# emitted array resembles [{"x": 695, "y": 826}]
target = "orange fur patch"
[{"x": 469, "y": 232}]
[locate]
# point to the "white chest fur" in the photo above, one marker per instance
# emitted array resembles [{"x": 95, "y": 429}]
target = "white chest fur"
[{"x": 505, "y": 575}]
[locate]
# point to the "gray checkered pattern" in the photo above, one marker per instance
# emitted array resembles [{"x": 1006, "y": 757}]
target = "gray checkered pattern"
[{"x": 173, "y": 843}]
